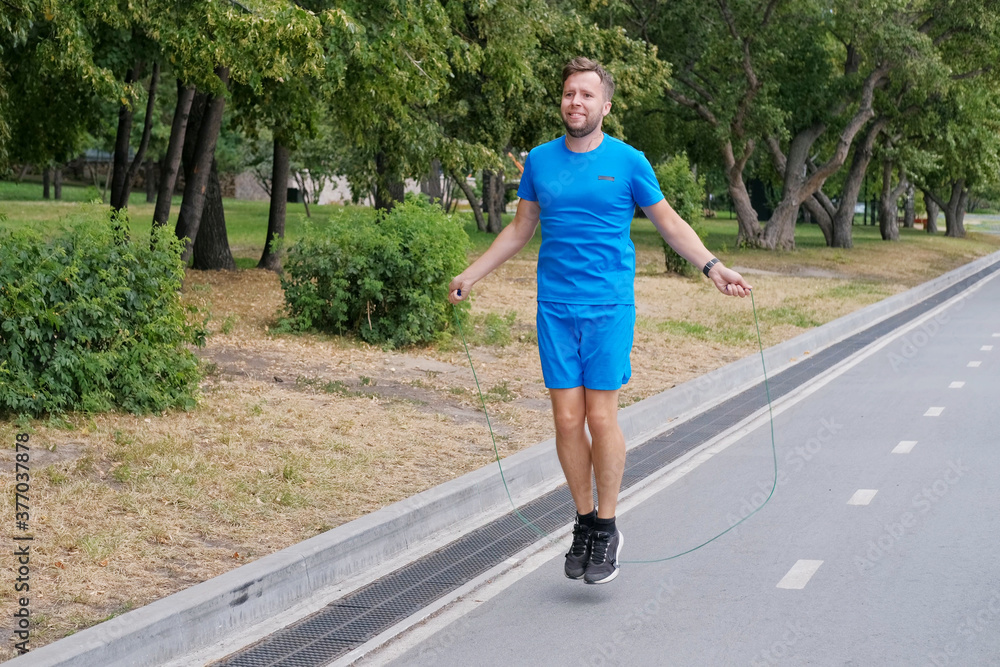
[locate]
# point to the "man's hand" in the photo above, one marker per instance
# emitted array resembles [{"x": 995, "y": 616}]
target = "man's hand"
[
  {"x": 729, "y": 282},
  {"x": 459, "y": 288}
]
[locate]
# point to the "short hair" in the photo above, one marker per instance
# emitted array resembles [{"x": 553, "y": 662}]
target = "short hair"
[{"x": 583, "y": 64}]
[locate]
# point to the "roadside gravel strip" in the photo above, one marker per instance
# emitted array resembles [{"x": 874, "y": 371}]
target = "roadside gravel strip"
[{"x": 218, "y": 616}]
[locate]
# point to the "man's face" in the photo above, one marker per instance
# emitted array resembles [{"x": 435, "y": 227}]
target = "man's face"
[{"x": 583, "y": 105}]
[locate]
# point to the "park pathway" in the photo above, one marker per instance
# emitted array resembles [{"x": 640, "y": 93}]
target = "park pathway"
[{"x": 876, "y": 548}]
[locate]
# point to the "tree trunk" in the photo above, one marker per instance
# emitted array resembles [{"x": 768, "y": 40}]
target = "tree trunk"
[
  {"x": 932, "y": 213},
  {"x": 477, "y": 211},
  {"x": 46, "y": 183},
  {"x": 195, "y": 185},
  {"x": 954, "y": 213},
  {"x": 189, "y": 149},
  {"x": 746, "y": 217},
  {"x": 448, "y": 200},
  {"x": 909, "y": 208},
  {"x": 431, "y": 183},
  {"x": 389, "y": 188},
  {"x": 211, "y": 245},
  {"x": 843, "y": 220},
  {"x": 953, "y": 222},
  {"x": 140, "y": 154},
  {"x": 301, "y": 181},
  {"x": 954, "y": 208},
  {"x": 57, "y": 183},
  {"x": 822, "y": 216},
  {"x": 779, "y": 233},
  {"x": 107, "y": 180},
  {"x": 271, "y": 260},
  {"x": 889, "y": 203},
  {"x": 122, "y": 139},
  {"x": 172, "y": 160},
  {"x": 493, "y": 200},
  {"x": 150, "y": 181}
]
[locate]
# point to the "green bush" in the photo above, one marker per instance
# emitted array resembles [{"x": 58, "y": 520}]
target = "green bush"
[
  {"x": 381, "y": 276},
  {"x": 685, "y": 194},
  {"x": 92, "y": 321}
]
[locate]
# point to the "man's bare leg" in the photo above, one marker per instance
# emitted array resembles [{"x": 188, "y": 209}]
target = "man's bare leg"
[
  {"x": 607, "y": 450},
  {"x": 569, "y": 409}
]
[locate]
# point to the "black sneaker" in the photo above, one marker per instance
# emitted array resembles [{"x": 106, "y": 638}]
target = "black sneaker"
[
  {"x": 579, "y": 552},
  {"x": 604, "y": 550}
]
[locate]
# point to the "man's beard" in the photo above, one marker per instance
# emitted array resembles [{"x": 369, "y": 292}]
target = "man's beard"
[{"x": 589, "y": 127}]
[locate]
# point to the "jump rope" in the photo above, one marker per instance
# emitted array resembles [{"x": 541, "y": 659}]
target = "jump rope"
[{"x": 541, "y": 533}]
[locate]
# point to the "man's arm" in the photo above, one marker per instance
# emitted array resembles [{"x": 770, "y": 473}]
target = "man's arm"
[
  {"x": 507, "y": 244},
  {"x": 679, "y": 235}
]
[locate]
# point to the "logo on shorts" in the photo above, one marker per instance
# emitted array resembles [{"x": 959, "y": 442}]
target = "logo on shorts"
[{"x": 605, "y": 178}]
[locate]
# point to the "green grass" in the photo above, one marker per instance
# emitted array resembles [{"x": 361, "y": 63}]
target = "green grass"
[
  {"x": 246, "y": 221},
  {"x": 856, "y": 288},
  {"x": 246, "y": 225},
  {"x": 789, "y": 314},
  {"x": 499, "y": 393},
  {"x": 723, "y": 331},
  {"x": 32, "y": 191}
]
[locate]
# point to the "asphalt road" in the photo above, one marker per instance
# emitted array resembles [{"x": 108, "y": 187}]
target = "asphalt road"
[{"x": 877, "y": 548}]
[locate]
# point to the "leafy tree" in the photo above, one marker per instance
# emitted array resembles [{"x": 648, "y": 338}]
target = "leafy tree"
[
  {"x": 393, "y": 65},
  {"x": 289, "y": 106},
  {"x": 721, "y": 55},
  {"x": 962, "y": 135}
]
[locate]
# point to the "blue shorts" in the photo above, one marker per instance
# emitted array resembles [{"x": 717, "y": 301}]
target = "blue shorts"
[{"x": 585, "y": 345}]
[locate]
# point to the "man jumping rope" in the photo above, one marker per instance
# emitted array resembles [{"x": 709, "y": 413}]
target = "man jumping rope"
[{"x": 583, "y": 188}]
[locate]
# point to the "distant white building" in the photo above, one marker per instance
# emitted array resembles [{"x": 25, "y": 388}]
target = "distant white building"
[{"x": 336, "y": 191}]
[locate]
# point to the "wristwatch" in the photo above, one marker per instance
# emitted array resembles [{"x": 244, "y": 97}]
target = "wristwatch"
[{"x": 708, "y": 267}]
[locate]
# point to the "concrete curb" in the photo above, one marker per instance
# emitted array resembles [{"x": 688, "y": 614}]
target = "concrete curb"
[{"x": 199, "y": 616}]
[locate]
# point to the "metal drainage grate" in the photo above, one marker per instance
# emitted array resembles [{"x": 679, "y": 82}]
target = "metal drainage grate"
[{"x": 346, "y": 624}]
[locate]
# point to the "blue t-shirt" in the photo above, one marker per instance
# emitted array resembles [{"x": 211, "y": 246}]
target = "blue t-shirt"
[{"x": 587, "y": 202}]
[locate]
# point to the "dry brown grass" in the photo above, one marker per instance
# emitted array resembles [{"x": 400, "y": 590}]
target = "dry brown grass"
[{"x": 298, "y": 434}]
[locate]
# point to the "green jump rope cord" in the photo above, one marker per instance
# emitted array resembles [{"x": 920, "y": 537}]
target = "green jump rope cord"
[{"x": 542, "y": 533}]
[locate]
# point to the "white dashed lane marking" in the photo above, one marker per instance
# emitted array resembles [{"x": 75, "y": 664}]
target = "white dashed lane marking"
[
  {"x": 800, "y": 574},
  {"x": 986, "y": 348},
  {"x": 904, "y": 447},
  {"x": 956, "y": 385},
  {"x": 974, "y": 364},
  {"x": 933, "y": 412},
  {"x": 862, "y": 497}
]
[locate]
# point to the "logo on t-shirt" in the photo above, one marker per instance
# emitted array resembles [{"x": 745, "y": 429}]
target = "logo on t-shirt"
[{"x": 605, "y": 178}]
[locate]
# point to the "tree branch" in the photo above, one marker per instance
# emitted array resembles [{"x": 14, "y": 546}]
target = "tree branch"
[
  {"x": 862, "y": 116},
  {"x": 767, "y": 13},
  {"x": 928, "y": 24},
  {"x": 971, "y": 74},
  {"x": 697, "y": 107},
  {"x": 696, "y": 88}
]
